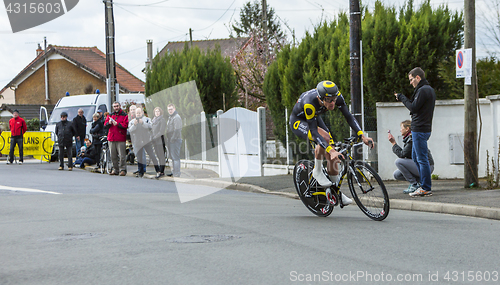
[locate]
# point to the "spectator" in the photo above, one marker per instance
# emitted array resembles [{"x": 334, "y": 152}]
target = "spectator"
[
  {"x": 65, "y": 132},
  {"x": 140, "y": 132},
  {"x": 159, "y": 127},
  {"x": 101, "y": 116},
  {"x": 97, "y": 131},
  {"x": 17, "y": 129},
  {"x": 117, "y": 123},
  {"x": 174, "y": 138},
  {"x": 80, "y": 125},
  {"x": 421, "y": 108},
  {"x": 88, "y": 156},
  {"x": 131, "y": 116},
  {"x": 407, "y": 169}
]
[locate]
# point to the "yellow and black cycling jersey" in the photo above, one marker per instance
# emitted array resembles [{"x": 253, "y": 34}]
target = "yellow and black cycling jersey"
[{"x": 305, "y": 120}]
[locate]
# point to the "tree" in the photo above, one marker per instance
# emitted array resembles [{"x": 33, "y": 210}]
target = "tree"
[
  {"x": 490, "y": 26},
  {"x": 212, "y": 72},
  {"x": 252, "y": 60},
  {"x": 393, "y": 43},
  {"x": 251, "y": 21},
  {"x": 488, "y": 73}
]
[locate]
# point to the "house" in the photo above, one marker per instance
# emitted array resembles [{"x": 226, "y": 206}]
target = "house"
[
  {"x": 229, "y": 47},
  {"x": 76, "y": 70},
  {"x": 26, "y": 111}
]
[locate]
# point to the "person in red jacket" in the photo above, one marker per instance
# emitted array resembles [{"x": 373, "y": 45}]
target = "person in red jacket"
[
  {"x": 117, "y": 124},
  {"x": 17, "y": 129}
]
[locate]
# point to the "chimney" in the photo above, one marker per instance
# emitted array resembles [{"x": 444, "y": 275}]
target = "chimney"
[
  {"x": 150, "y": 53},
  {"x": 39, "y": 50}
]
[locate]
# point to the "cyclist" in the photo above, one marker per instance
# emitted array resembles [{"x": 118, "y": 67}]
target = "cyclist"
[{"x": 306, "y": 124}]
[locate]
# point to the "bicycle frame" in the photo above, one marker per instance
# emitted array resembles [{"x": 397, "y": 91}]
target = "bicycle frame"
[{"x": 347, "y": 165}]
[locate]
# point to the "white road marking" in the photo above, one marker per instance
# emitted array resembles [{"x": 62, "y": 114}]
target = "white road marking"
[{"x": 16, "y": 189}]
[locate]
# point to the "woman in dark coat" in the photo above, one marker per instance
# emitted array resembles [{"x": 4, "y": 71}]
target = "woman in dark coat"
[
  {"x": 159, "y": 126},
  {"x": 97, "y": 131}
]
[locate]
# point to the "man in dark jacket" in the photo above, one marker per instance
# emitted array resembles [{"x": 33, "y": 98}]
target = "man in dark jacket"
[
  {"x": 89, "y": 156},
  {"x": 65, "y": 132},
  {"x": 17, "y": 129},
  {"x": 421, "y": 108},
  {"x": 80, "y": 125}
]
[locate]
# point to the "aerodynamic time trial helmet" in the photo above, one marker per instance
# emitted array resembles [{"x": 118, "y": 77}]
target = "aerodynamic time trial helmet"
[{"x": 327, "y": 89}]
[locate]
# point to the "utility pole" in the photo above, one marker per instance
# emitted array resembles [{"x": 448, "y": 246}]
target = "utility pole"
[
  {"x": 354, "y": 43},
  {"x": 47, "y": 98},
  {"x": 264, "y": 27},
  {"x": 190, "y": 38},
  {"x": 110, "y": 52},
  {"x": 470, "y": 115},
  {"x": 264, "y": 17}
]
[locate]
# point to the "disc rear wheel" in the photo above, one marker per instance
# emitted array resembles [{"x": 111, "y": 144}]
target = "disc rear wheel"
[{"x": 313, "y": 197}]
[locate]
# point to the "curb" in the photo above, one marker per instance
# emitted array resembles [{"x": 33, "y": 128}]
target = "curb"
[
  {"x": 446, "y": 208},
  {"x": 398, "y": 204}
]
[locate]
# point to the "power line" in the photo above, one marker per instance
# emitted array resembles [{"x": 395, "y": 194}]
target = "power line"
[
  {"x": 123, "y": 4},
  {"x": 156, "y": 43},
  {"x": 219, "y": 17},
  {"x": 145, "y": 19}
]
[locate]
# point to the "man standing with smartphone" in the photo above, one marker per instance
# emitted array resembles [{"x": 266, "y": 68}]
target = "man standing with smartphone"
[{"x": 421, "y": 107}]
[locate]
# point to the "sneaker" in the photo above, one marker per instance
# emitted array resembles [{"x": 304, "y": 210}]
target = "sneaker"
[
  {"x": 159, "y": 174},
  {"x": 135, "y": 172},
  {"x": 412, "y": 188},
  {"x": 123, "y": 173},
  {"x": 70, "y": 168},
  {"x": 421, "y": 192},
  {"x": 8, "y": 162},
  {"x": 322, "y": 180},
  {"x": 139, "y": 175},
  {"x": 346, "y": 200},
  {"x": 113, "y": 173},
  {"x": 20, "y": 163},
  {"x": 60, "y": 168}
]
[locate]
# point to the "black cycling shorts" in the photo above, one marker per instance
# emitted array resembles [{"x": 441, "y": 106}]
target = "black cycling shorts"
[{"x": 300, "y": 128}]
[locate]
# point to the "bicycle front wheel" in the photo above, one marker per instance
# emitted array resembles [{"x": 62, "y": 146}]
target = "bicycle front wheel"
[{"x": 368, "y": 190}]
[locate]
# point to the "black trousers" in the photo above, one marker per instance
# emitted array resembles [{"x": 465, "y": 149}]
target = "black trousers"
[
  {"x": 69, "y": 153},
  {"x": 13, "y": 141}
]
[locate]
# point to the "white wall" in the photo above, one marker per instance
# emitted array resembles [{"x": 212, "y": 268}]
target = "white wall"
[
  {"x": 448, "y": 119},
  {"x": 9, "y": 97}
]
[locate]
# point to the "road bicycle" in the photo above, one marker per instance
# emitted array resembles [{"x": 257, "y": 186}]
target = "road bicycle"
[
  {"x": 366, "y": 186},
  {"x": 105, "y": 164}
]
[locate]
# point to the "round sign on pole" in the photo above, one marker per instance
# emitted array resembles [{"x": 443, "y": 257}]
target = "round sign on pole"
[{"x": 460, "y": 59}]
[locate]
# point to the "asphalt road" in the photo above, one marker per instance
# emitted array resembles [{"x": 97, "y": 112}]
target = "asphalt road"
[{"x": 125, "y": 230}]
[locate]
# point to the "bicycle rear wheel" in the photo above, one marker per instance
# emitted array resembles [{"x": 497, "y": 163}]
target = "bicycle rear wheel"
[
  {"x": 368, "y": 191},
  {"x": 317, "y": 204}
]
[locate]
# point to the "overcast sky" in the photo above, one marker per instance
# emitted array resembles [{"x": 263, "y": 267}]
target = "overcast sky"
[{"x": 138, "y": 20}]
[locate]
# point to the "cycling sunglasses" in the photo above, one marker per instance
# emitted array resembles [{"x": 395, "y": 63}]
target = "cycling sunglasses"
[{"x": 330, "y": 99}]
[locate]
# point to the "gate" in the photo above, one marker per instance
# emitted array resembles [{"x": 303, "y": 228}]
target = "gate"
[{"x": 241, "y": 134}]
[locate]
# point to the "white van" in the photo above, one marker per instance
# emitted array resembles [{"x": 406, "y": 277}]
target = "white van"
[{"x": 89, "y": 103}]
